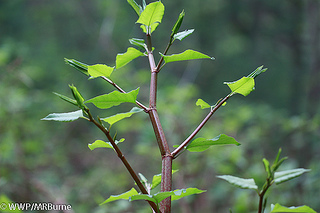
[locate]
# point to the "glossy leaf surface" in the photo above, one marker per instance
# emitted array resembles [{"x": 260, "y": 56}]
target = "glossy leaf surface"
[
  {"x": 240, "y": 182},
  {"x": 283, "y": 176},
  {"x": 182, "y": 35},
  {"x": 65, "y": 117}
]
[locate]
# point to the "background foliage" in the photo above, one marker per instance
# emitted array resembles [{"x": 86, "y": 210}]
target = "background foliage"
[{"x": 50, "y": 162}]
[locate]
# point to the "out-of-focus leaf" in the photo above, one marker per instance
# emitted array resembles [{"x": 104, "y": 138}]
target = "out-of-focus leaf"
[
  {"x": 98, "y": 70},
  {"x": 124, "y": 196},
  {"x": 202, "y": 104},
  {"x": 65, "y": 117},
  {"x": 201, "y": 144},
  {"x": 103, "y": 144},
  {"x": 257, "y": 72},
  {"x": 242, "y": 86},
  {"x": 267, "y": 167},
  {"x": 283, "y": 176},
  {"x": 135, "y": 6},
  {"x": 182, "y": 35},
  {"x": 138, "y": 43},
  {"x": 186, "y": 55},
  {"x": 125, "y": 58},
  {"x": 177, "y": 25},
  {"x": 115, "y": 118},
  {"x": 180, "y": 193},
  {"x": 114, "y": 98},
  {"x": 300, "y": 209},
  {"x": 83, "y": 68},
  {"x": 156, "y": 180},
  {"x": 240, "y": 182},
  {"x": 151, "y": 15}
]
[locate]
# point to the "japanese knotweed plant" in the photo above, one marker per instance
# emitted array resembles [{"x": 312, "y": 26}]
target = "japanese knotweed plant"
[{"x": 149, "y": 17}]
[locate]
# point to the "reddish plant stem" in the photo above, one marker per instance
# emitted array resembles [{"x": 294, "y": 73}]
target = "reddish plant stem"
[
  {"x": 193, "y": 134},
  {"x": 123, "y": 159}
]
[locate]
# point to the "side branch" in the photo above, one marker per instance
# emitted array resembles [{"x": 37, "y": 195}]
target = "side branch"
[{"x": 193, "y": 134}]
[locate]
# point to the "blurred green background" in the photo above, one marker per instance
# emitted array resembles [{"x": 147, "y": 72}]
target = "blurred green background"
[{"x": 43, "y": 161}]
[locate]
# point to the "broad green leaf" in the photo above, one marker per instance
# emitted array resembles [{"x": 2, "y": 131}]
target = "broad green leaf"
[
  {"x": 125, "y": 58},
  {"x": 186, "y": 55},
  {"x": 76, "y": 94},
  {"x": 67, "y": 99},
  {"x": 180, "y": 193},
  {"x": 138, "y": 43},
  {"x": 115, "y": 118},
  {"x": 65, "y": 117},
  {"x": 78, "y": 65},
  {"x": 151, "y": 15},
  {"x": 182, "y": 35},
  {"x": 114, "y": 98},
  {"x": 202, "y": 104},
  {"x": 124, "y": 196},
  {"x": 201, "y": 144},
  {"x": 177, "y": 25},
  {"x": 243, "y": 86},
  {"x": 240, "y": 182},
  {"x": 135, "y": 6},
  {"x": 156, "y": 180},
  {"x": 301, "y": 209},
  {"x": 98, "y": 70},
  {"x": 280, "y": 177},
  {"x": 257, "y": 72},
  {"x": 267, "y": 167},
  {"x": 103, "y": 144}
]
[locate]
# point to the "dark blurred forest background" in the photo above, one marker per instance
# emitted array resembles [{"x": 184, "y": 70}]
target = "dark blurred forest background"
[{"x": 43, "y": 161}]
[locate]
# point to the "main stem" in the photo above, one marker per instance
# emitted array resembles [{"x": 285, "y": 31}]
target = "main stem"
[{"x": 166, "y": 173}]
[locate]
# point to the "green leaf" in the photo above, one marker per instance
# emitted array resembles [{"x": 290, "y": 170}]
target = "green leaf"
[
  {"x": 65, "y": 117},
  {"x": 242, "y": 86},
  {"x": 83, "y": 68},
  {"x": 67, "y": 99},
  {"x": 240, "y": 182},
  {"x": 138, "y": 43},
  {"x": 98, "y": 70},
  {"x": 257, "y": 72},
  {"x": 125, "y": 58},
  {"x": 114, "y": 98},
  {"x": 177, "y": 25},
  {"x": 143, "y": 179},
  {"x": 182, "y": 35},
  {"x": 76, "y": 94},
  {"x": 201, "y": 144},
  {"x": 267, "y": 167},
  {"x": 151, "y": 16},
  {"x": 301, "y": 209},
  {"x": 202, "y": 104},
  {"x": 156, "y": 180},
  {"x": 115, "y": 118},
  {"x": 280, "y": 177},
  {"x": 103, "y": 144},
  {"x": 124, "y": 196},
  {"x": 135, "y": 6},
  {"x": 186, "y": 55},
  {"x": 180, "y": 193}
]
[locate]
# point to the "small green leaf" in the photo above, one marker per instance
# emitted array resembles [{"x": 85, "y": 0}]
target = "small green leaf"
[
  {"x": 98, "y": 70},
  {"x": 186, "y": 55},
  {"x": 180, "y": 193},
  {"x": 156, "y": 180},
  {"x": 182, "y": 35},
  {"x": 243, "y": 86},
  {"x": 76, "y": 94},
  {"x": 83, "y": 68},
  {"x": 280, "y": 177},
  {"x": 257, "y": 72},
  {"x": 267, "y": 167},
  {"x": 144, "y": 197},
  {"x": 138, "y": 43},
  {"x": 135, "y": 6},
  {"x": 240, "y": 182},
  {"x": 65, "y": 117},
  {"x": 67, "y": 99},
  {"x": 151, "y": 16},
  {"x": 125, "y": 58},
  {"x": 202, "y": 104},
  {"x": 202, "y": 144},
  {"x": 103, "y": 144},
  {"x": 124, "y": 196},
  {"x": 114, "y": 98},
  {"x": 300, "y": 209},
  {"x": 115, "y": 118},
  {"x": 143, "y": 179},
  {"x": 177, "y": 25}
]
